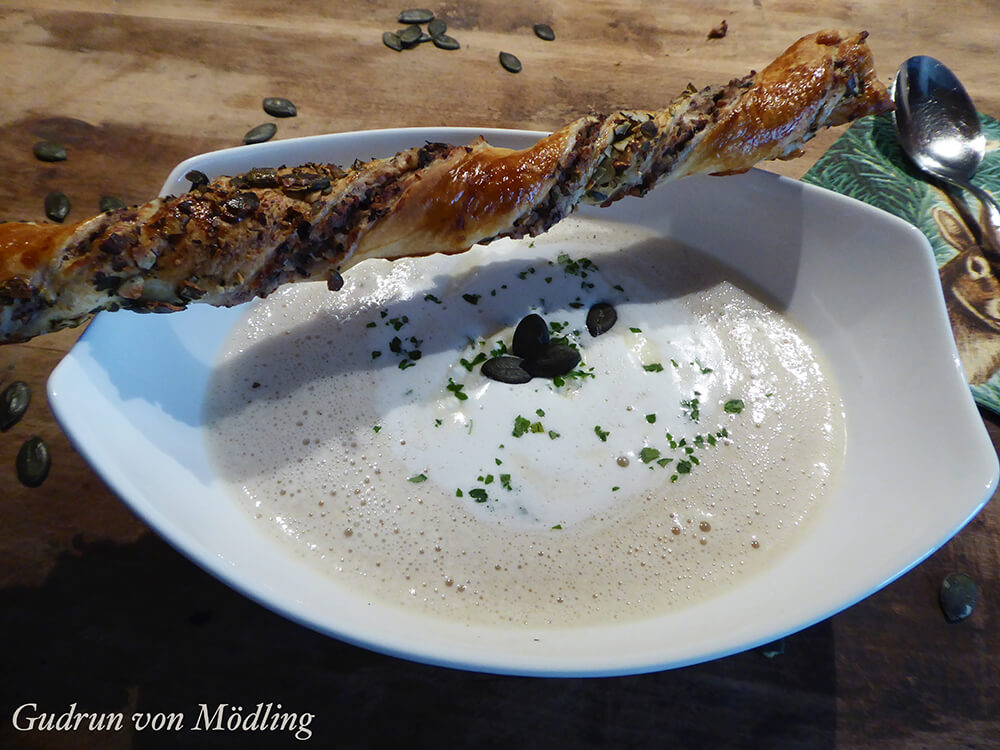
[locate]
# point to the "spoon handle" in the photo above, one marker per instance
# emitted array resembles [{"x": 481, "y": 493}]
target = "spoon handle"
[{"x": 987, "y": 200}]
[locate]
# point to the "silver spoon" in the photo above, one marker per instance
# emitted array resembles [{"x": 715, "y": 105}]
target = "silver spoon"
[{"x": 938, "y": 126}]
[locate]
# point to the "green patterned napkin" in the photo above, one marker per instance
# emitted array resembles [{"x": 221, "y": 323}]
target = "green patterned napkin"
[{"x": 866, "y": 163}]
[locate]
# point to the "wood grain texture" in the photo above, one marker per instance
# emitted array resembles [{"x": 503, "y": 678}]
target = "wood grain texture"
[{"x": 95, "y": 608}]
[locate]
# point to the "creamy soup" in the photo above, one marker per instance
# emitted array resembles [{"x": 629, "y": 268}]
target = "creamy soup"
[{"x": 687, "y": 449}]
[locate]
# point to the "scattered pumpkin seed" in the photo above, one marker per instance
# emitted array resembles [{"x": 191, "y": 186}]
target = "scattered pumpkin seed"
[
  {"x": 49, "y": 151},
  {"x": 391, "y": 40},
  {"x": 510, "y": 63},
  {"x": 57, "y": 206},
  {"x": 111, "y": 203},
  {"x": 261, "y": 133},
  {"x": 437, "y": 27},
  {"x": 958, "y": 596},
  {"x": 531, "y": 336},
  {"x": 33, "y": 462},
  {"x": 197, "y": 178},
  {"x": 600, "y": 318},
  {"x": 410, "y": 36},
  {"x": 262, "y": 177},
  {"x": 14, "y": 402},
  {"x": 649, "y": 129},
  {"x": 544, "y": 31},
  {"x": 277, "y": 106},
  {"x": 416, "y": 15},
  {"x": 443, "y": 41},
  {"x": 505, "y": 369},
  {"x": 556, "y": 360}
]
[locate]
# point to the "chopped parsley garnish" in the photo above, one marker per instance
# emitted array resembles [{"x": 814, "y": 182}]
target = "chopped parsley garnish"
[
  {"x": 472, "y": 299},
  {"x": 378, "y": 428},
  {"x": 470, "y": 364},
  {"x": 505, "y": 481},
  {"x": 376, "y": 354},
  {"x": 456, "y": 388},
  {"x": 648, "y": 454},
  {"x": 479, "y": 494},
  {"x": 601, "y": 433},
  {"x": 651, "y": 418},
  {"x": 653, "y": 367},
  {"x": 432, "y": 298},
  {"x": 635, "y": 330},
  {"x": 733, "y": 406},
  {"x": 557, "y": 527},
  {"x": 417, "y": 478},
  {"x": 399, "y": 322},
  {"x": 691, "y": 407},
  {"x": 521, "y": 426}
]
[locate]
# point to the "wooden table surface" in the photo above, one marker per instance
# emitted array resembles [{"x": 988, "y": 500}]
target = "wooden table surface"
[{"x": 96, "y": 609}]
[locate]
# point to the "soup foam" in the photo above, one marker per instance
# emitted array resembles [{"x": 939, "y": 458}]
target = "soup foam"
[{"x": 686, "y": 452}]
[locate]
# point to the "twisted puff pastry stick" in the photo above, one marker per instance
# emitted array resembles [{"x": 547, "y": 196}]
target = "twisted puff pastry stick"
[{"x": 236, "y": 238}]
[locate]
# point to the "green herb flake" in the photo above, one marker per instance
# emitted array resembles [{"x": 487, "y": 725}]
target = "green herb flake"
[
  {"x": 479, "y": 494},
  {"x": 654, "y": 367},
  {"x": 378, "y": 428},
  {"x": 540, "y": 412},
  {"x": 371, "y": 325},
  {"x": 553, "y": 434},
  {"x": 557, "y": 527},
  {"x": 521, "y": 426},
  {"x": 602, "y": 434},
  {"x": 648, "y": 454},
  {"x": 459, "y": 493},
  {"x": 432, "y": 298},
  {"x": 505, "y": 481},
  {"x": 683, "y": 467},
  {"x": 456, "y": 388},
  {"x": 635, "y": 330},
  {"x": 733, "y": 406},
  {"x": 470, "y": 364},
  {"x": 418, "y": 478},
  {"x": 651, "y": 418},
  {"x": 376, "y": 354},
  {"x": 406, "y": 363},
  {"x": 472, "y": 299},
  {"x": 437, "y": 422},
  {"x": 536, "y": 427},
  {"x": 663, "y": 462}
]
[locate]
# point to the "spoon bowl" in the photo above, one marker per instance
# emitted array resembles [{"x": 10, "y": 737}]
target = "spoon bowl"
[{"x": 937, "y": 123}]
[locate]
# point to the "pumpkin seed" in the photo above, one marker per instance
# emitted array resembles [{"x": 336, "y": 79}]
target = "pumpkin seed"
[
  {"x": 14, "y": 402},
  {"x": 33, "y": 462},
  {"x": 544, "y": 31},
  {"x": 409, "y": 36},
  {"x": 57, "y": 206},
  {"x": 277, "y": 106},
  {"x": 437, "y": 27},
  {"x": 505, "y": 369},
  {"x": 531, "y": 336},
  {"x": 600, "y": 318},
  {"x": 416, "y": 15},
  {"x": 510, "y": 63},
  {"x": 261, "y": 133},
  {"x": 443, "y": 41},
  {"x": 197, "y": 178},
  {"x": 240, "y": 206},
  {"x": 391, "y": 40},
  {"x": 111, "y": 203},
  {"x": 958, "y": 596},
  {"x": 649, "y": 129},
  {"x": 49, "y": 151},
  {"x": 262, "y": 177},
  {"x": 554, "y": 361}
]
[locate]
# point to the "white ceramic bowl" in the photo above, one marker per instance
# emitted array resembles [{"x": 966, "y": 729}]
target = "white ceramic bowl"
[{"x": 863, "y": 285}]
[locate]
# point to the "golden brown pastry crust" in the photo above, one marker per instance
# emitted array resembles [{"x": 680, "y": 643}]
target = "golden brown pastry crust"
[{"x": 235, "y": 238}]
